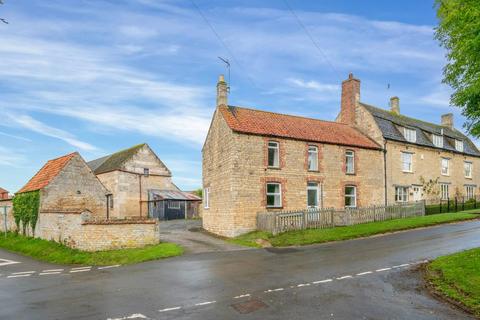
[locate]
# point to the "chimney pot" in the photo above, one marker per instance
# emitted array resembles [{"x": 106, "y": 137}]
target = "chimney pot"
[
  {"x": 222, "y": 91},
  {"x": 349, "y": 100},
  {"x": 395, "y": 105},
  {"x": 447, "y": 120}
]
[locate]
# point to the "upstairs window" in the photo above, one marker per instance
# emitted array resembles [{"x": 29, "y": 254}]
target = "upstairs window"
[
  {"x": 407, "y": 163},
  {"x": 445, "y": 166},
  {"x": 468, "y": 169},
  {"x": 350, "y": 196},
  {"x": 146, "y": 172},
  {"x": 274, "y": 195},
  {"x": 459, "y": 145},
  {"x": 410, "y": 135},
  {"x": 273, "y": 154},
  {"x": 349, "y": 162},
  {"x": 438, "y": 141},
  {"x": 312, "y": 158}
]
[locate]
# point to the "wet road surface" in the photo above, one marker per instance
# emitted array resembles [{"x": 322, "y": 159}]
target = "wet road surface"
[{"x": 372, "y": 278}]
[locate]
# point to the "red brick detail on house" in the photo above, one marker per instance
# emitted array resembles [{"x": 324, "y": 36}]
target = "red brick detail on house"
[
  {"x": 263, "y": 190},
  {"x": 4, "y": 194},
  {"x": 350, "y": 96},
  {"x": 314, "y": 179},
  {"x": 281, "y": 152},
  {"x": 319, "y": 159},
  {"x": 272, "y": 124},
  {"x": 46, "y": 174},
  {"x": 355, "y": 161},
  {"x": 344, "y": 184}
]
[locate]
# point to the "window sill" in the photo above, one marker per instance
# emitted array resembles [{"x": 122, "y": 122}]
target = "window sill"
[
  {"x": 273, "y": 168},
  {"x": 411, "y": 172},
  {"x": 350, "y": 174},
  {"x": 274, "y": 208},
  {"x": 314, "y": 171},
  {"x": 469, "y": 178}
]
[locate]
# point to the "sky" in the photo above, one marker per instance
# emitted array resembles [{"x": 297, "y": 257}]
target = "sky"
[{"x": 98, "y": 76}]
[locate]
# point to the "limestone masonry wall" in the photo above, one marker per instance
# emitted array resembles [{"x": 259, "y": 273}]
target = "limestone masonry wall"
[{"x": 11, "y": 226}]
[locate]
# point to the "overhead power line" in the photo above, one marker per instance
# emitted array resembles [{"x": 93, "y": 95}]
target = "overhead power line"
[{"x": 309, "y": 35}]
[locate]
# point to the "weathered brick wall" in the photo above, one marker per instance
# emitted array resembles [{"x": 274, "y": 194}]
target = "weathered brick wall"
[
  {"x": 11, "y": 226},
  {"x": 126, "y": 185},
  {"x": 427, "y": 163},
  {"x": 75, "y": 189},
  {"x": 73, "y": 231},
  {"x": 234, "y": 167}
]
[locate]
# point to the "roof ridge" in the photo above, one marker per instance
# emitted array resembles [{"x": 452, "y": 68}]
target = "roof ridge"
[
  {"x": 289, "y": 115},
  {"x": 66, "y": 155}
]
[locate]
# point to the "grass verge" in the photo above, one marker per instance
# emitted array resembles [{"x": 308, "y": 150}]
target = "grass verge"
[
  {"x": 57, "y": 253},
  {"x": 457, "y": 277},
  {"x": 311, "y": 236}
]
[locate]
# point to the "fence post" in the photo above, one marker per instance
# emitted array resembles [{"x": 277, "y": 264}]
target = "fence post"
[{"x": 304, "y": 219}]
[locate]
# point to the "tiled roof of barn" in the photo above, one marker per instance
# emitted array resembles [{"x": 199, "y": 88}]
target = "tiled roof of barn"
[
  {"x": 113, "y": 161},
  {"x": 272, "y": 124},
  {"x": 47, "y": 173},
  {"x": 388, "y": 122}
]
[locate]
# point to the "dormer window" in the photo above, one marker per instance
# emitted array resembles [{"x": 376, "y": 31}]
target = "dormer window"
[
  {"x": 438, "y": 141},
  {"x": 459, "y": 145},
  {"x": 410, "y": 134}
]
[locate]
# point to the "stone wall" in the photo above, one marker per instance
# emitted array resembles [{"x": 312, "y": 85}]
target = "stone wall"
[
  {"x": 77, "y": 231},
  {"x": 235, "y": 170},
  {"x": 11, "y": 226}
]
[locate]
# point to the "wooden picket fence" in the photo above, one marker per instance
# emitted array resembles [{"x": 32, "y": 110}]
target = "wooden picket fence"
[{"x": 282, "y": 221}]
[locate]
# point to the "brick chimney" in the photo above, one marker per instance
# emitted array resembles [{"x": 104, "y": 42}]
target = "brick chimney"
[
  {"x": 222, "y": 91},
  {"x": 447, "y": 120},
  {"x": 395, "y": 105},
  {"x": 350, "y": 98}
]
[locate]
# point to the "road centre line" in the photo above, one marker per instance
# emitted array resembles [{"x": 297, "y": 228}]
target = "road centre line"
[
  {"x": 322, "y": 281},
  {"x": 108, "y": 267},
  {"x": 79, "y": 270},
  {"x": 52, "y": 270},
  {"x": 169, "y": 309},
  {"x": 344, "y": 277},
  {"x": 20, "y": 275},
  {"x": 23, "y": 272},
  {"x": 364, "y": 273},
  {"x": 242, "y": 296},
  {"x": 47, "y": 273},
  {"x": 204, "y": 303},
  {"x": 383, "y": 269}
]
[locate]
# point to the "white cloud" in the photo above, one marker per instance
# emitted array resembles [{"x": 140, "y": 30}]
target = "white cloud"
[
  {"x": 314, "y": 85},
  {"x": 11, "y": 157}
]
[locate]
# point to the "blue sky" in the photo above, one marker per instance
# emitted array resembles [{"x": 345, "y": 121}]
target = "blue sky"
[{"x": 99, "y": 76}]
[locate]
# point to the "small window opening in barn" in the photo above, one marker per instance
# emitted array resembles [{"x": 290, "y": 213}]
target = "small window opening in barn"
[
  {"x": 174, "y": 205},
  {"x": 146, "y": 172}
]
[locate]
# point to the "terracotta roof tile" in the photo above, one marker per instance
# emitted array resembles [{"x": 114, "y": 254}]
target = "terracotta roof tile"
[
  {"x": 46, "y": 174},
  {"x": 280, "y": 125}
]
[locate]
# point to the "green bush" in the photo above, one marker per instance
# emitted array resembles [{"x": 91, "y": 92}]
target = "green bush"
[{"x": 25, "y": 210}]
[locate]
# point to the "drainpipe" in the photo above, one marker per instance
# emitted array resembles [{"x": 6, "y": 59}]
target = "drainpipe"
[
  {"x": 140, "y": 190},
  {"x": 108, "y": 205},
  {"x": 385, "y": 170}
]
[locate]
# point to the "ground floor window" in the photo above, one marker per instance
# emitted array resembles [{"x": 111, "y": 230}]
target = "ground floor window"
[
  {"x": 313, "y": 195},
  {"x": 444, "y": 190},
  {"x": 401, "y": 194},
  {"x": 470, "y": 192},
  {"x": 350, "y": 196},
  {"x": 173, "y": 204},
  {"x": 274, "y": 195}
]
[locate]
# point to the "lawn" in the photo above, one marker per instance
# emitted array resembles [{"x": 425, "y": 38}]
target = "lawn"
[
  {"x": 457, "y": 277},
  {"x": 57, "y": 253},
  {"x": 311, "y": 236}
]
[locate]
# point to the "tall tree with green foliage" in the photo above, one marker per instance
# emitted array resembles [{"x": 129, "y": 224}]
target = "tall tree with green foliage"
[{"x": 459, "y": 32}]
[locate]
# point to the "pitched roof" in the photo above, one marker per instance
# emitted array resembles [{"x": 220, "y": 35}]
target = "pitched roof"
[
  {"x": 388, "y": 123},
  {"x": 3, "y": 190},
  {"x": 286, "y": 126},
  {"x": 173, "y": 195},
  {"x": 46, "y": 174},
  {"x": 113, "y": 161}
]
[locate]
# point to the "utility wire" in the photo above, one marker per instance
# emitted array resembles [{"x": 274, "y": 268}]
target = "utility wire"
[
  {"x": 230, "y": 52},
  {"x": 309, "y": 35}
]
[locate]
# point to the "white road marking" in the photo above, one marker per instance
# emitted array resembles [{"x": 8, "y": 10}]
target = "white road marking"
[
  {"x": 364, "y": 273},
  {"x": 20, "y": 275},
  {"x": 204, "y": 303},
  {"x": 242, "y": 296},
  {"x": 5, "y": 262},
  {"x": 52, "y": 270},
  {"x": 402, "y": 265},
  {"x": 47, "y": 273},
  {"x": 344, "y": 277},
  {"x": 322, "y": 281},
  {"x": 108, "y": 267},
  {"x": 303, "y": 285},
  {"x": 133, "y": 316},
  {"x": 23, "y": 272},
  {"x": 169, "y": 309},
  {"x": 383, "y": 269},
  {"x": 80, "y": 270}
]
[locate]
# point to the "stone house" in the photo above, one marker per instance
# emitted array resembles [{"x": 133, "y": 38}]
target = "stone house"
[
  {"x": 4, "y": 195},
  {"x": 130, "y": 175},
  {"x": 262, "y": 161},
  {"x": 416, "y": 151},
  {"x": 256, "y": 161}
]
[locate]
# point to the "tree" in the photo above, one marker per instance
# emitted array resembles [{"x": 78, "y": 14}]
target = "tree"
[
  {"x": 199, "y": 192},
  {"x": 459, "y": 33}
]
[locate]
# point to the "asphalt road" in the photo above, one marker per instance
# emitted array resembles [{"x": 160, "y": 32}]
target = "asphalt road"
[{"x": 373, "y": 278}]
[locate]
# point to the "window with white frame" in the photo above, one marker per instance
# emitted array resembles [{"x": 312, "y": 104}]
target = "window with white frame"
[
  {"x": 273, "y": 154},
  {"x": 274, "y": 195},
  {"x": 445, "y": 191},
  {"x": 206, "y": 198},
  {"x": 459, "y": 145},
  {"x": 350, "y": 196},
  {"x": 312, "y": 158},
  {"x": 410, "y": 134},
  {"x": 313, "y": 195},
  {"x": 350, "y": 162},
  {"x": 470, "y": 192},
  {"x": 468, "y": 169},
  {"x": 407, "y": 162},
  {"x": 438, "y": 140},
  {"x": 401, "y": 194},
  {"x": 173, "y": 204},
  {"x": 146, "y": 172},
  {"x": 445, "y": 166}
]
